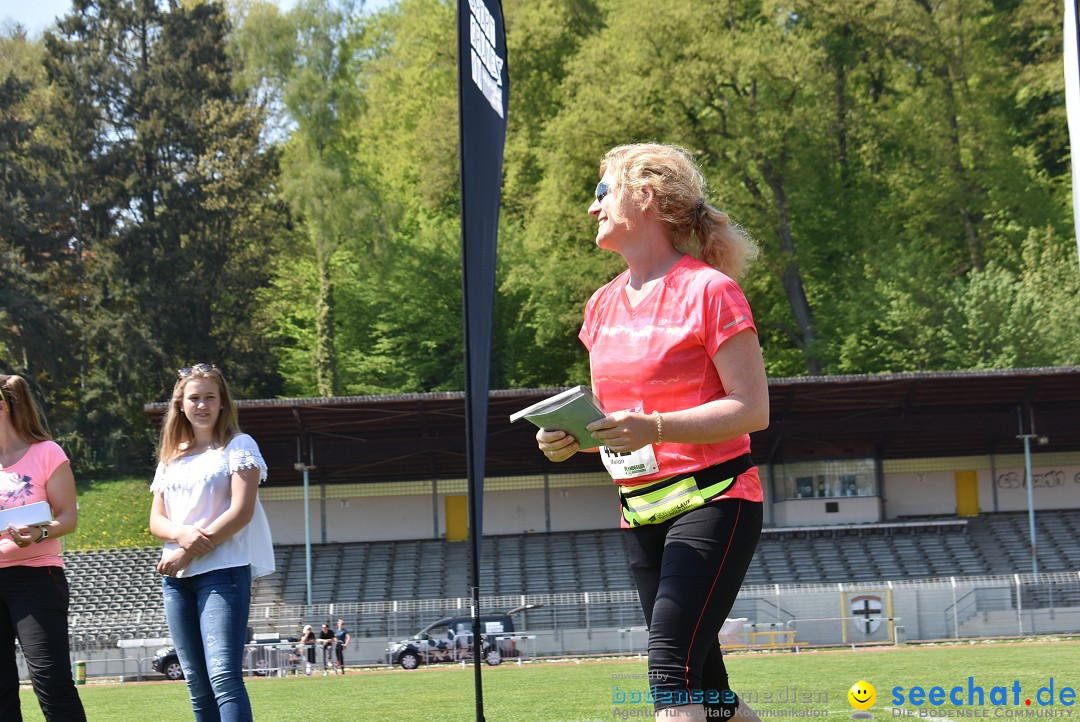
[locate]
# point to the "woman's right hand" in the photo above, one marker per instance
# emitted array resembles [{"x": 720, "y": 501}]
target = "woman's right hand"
[
  {"x": 556, "y": 445},
  {"x": 194, "y": 541},
  {"x": 172, "y": 561}
]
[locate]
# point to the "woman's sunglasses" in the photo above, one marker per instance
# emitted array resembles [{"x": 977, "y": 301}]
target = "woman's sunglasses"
[
  {"x": 602, "y": 189},
  {"x": 195, "y": 368}
]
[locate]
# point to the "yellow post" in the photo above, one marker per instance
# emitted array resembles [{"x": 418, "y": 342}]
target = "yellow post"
[
  {"x": 845, "y": 612},
  {"x": 457, "y": 518},
  {"x": 80, "y": 672},
  {"x": 967, "y": 493}
]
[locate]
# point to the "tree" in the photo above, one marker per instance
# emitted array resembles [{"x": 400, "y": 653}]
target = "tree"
[
  {"x": 174, "y": 214},
  {"x": 743, "y": 94},
  {"x": 881, "y": 152},
  {"x": 35, "y": 261},
  {"x": 961, "y": 184},
  {"x": 307, "y": 57}
]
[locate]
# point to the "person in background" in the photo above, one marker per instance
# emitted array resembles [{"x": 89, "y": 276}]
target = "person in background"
[
  {"x": 675, "y": 361},
  {"x": 307, "y": 648},
  {"x": 33, "y": 588},
  {"x": 328, "y": 642},
  {"x": 343, "y": 638},
  {"x": 217, "y": 538}
]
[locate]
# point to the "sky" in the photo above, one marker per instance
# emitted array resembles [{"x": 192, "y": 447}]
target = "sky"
[{"x": 36, "y": 15}]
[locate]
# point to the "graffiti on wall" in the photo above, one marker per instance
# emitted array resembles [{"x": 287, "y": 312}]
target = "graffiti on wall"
[{"x": 1054, "y": 479}]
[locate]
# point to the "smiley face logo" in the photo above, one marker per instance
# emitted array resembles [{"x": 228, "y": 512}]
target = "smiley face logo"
[{"x": 862, "y": 695}]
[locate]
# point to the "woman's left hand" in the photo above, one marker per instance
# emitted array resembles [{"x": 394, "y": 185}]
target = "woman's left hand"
[
  {"x": 23, "y": 536},
  {"x": 624, "y": 431},
  {"x": 173, "y": 561}
]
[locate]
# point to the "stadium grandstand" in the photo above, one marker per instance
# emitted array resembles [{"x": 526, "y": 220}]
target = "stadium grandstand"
[{"x": 896, "y": 505}]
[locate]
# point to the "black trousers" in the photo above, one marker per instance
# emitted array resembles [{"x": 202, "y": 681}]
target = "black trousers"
[
  {"x": 688, "y": 571},
  {"x": 34, "y": 607}
]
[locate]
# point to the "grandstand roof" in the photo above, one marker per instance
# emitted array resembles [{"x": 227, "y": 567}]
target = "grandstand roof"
[{"x": 352, "y": 439}]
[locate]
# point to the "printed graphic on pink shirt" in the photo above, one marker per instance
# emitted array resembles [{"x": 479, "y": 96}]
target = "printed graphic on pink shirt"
[
  {"x": 15, "y": 490},
  {"x": 25, "y": 484}
]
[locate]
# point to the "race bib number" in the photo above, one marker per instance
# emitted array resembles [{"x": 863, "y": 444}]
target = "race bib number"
[{"x": 628, "y": 464}]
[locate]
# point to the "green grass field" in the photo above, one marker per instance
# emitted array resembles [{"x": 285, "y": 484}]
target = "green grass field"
[
  {"x": 113, "y": 514},
  {"x": 566, "y": 691}
]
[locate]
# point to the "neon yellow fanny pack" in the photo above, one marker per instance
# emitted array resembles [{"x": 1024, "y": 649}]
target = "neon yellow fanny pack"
[{"x": 667, "y": 498}]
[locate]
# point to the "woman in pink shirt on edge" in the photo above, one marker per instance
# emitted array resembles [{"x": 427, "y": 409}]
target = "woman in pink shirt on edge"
[
  {"x": 675, "y": 361},
  {"x": 33, "y": 588}
]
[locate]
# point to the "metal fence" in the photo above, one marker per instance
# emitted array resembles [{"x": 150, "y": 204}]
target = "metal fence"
[
  {"x": 782, "y": 616},
  {"x": 776, "y": 615}
]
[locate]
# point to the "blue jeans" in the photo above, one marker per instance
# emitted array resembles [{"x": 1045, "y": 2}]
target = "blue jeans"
[{"x": 208, "y": 616}]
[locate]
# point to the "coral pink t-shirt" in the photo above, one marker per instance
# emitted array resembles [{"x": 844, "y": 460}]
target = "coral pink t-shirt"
[
  {"x": 24, "y": 483},
  {"x": 657, "y": 356}
]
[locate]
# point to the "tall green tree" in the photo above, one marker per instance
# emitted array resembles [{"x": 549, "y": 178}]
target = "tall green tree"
[
  {"x": 744, "y": 92},
  {"x": 176, "y": 215},
  {"x": 407, "y": 138},
  {"x": 307, "y": 59},
  {"x": 36, "y": 262},
  {"x": 881, "y": 152},
  {"x": 958, "y": 179}
]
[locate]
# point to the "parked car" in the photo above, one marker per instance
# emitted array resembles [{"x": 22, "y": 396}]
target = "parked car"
[
  {"x": 450, "y": 640},
  {"x": 166, "y": 662}
]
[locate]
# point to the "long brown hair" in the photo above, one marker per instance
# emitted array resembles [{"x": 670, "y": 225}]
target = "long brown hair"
[
  {"x": 176, "y": 429},
  {"x": 678, "y": 185},
  {"x": 23, "y": 409}
]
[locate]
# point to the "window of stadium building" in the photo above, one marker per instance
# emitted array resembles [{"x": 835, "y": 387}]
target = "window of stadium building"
[{"x": 827, "y": 478}]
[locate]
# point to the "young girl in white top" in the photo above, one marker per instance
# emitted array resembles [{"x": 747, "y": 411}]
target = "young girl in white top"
[{"x": 217, "y": 539}]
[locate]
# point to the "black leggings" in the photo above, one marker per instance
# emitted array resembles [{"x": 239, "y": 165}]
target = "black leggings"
[
  {"x": 688, "y": 571},
  {"x": 34, "y": 608}
]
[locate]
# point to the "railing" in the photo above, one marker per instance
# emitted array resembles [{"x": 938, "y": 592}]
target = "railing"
[
  {"x": 960, "y": 611},
  {"x": 611, "y": 622}
]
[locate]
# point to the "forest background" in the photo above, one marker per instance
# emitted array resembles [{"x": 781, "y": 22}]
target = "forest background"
[{"x": 277, "y": 192}]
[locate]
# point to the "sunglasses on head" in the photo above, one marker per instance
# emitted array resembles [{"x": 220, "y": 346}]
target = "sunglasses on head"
[
  {"x": 195, "y": 368},
  {"x": 602, "y": 189}
]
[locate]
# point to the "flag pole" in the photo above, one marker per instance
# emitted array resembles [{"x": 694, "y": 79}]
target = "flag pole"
[{"x": 483, "y": 95}]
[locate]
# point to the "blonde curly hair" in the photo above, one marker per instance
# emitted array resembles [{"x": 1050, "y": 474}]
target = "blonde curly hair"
[{"x": 679, "y": 187}]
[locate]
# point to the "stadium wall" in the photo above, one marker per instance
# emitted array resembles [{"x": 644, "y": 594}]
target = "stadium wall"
[
  {"x": 574, "y": 502},
  {"x": 417, "y": 510}
]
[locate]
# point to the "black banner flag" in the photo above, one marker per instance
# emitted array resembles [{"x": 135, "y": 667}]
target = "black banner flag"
[
  {"x": 483, "y": 95},
  {"x": 1072, "y": 100}
]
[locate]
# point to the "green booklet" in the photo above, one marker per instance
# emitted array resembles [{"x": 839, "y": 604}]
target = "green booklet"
[{"x": 570, "y": 411}]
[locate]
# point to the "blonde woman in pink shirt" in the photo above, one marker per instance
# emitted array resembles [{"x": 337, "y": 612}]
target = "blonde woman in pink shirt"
[
  {"x": 676, "y": 363},
  {"x": 33, "y": 588}
]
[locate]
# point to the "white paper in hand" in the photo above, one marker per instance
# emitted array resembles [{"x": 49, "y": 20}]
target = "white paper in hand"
[{"x": 36, "y": 514}]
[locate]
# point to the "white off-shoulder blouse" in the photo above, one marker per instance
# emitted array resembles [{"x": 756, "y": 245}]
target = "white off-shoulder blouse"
[{"x": 197, "y": 490}]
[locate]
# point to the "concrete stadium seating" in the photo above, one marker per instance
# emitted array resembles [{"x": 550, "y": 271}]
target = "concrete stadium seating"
[{"x": 116, "y": 594}]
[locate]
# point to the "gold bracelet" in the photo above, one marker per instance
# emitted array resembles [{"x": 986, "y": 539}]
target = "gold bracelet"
[{"x": 659, "y": 427}]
